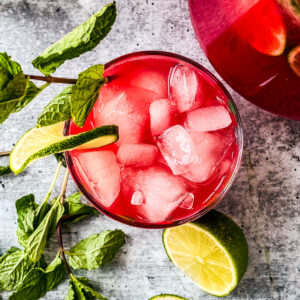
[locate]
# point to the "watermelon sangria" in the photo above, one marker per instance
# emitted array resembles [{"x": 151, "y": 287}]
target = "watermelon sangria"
[
  {"x": 179, "y": 148},
  {"x": 255, "y": 46}
]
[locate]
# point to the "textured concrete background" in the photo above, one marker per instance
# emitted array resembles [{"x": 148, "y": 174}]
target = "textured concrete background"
[{"x": 264, "y": 199}]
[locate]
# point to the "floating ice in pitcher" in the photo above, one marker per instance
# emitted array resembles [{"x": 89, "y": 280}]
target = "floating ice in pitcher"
[
  {"x": 177, "y": 148},
  {"x": 208, "y": 118},
  {"x": 100, "y": 171},
  {"x": 137, "y": 155},
  {"x": 161, "y": 115},
  {"x": 184, "y": 88}
]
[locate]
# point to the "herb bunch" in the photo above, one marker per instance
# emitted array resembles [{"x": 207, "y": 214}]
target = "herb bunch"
[{"x": 25, "y": 271}]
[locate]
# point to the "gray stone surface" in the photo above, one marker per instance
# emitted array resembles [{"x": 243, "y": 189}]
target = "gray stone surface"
[{"x": 264, "y": 200}]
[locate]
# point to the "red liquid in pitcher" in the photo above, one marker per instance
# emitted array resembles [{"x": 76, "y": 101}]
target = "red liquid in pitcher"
[
  {"x": 249, "y": 43},
  {"x": 177, "y": 148}
]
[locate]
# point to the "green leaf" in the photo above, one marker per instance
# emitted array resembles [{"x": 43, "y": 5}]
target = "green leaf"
[
  {"x": 38, "y": 239},
  {"x": 4, "y": 170},
  {"x": 60, "y": 157},
  {"x": 55, "y": 272},
  {"x": 12, "y": 94},
  {"x": 26, "y": 207},
  {"x": 38, "y": 281},
  {"x": 81, "y": 289},
  {"x": 57, "y": 110},
  {"x": 96, "y": 250},
  {"x": 31, "y": 93},
  {"x": 85, "y": 93},
  {"x": 82, "y": 39},
  {"x": 76, "y": 208},
  {"x": 32, "y": 287},
  {"x": 8, "y": 69},
  {"x": 41, "y": 212},
  {"x": 14, "y": 265}
]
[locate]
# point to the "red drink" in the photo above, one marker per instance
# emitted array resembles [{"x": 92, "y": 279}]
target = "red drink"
[
  {"x": 250, "y": 42},
  {"x": 179, "y": 148}
]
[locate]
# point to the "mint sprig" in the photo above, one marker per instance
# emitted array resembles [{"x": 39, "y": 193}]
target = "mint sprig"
[
  {"x": 4, "y": 170},
  {"x": 82, "y": 39}
]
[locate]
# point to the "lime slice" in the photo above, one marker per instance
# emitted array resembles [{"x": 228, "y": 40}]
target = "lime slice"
[
  {"x": 263, "y": 28},
  {"x": 39, "y": 142},
  {"x": 212, "y": 251},
  {"x": 294, "y": 60},
  {"x": 167, "y": 297}
]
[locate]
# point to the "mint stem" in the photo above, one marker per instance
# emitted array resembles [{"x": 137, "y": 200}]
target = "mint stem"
[
  {"x": 63, "y": 187},
  {"x": 51, "y": 79},
  {"x": 5, "y": 153},
  {"x": 52, "y": 183},
  {"x": 61, "y": 245}
]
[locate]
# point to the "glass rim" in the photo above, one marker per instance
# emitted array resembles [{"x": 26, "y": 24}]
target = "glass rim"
[{"x": 210, "y": 206}]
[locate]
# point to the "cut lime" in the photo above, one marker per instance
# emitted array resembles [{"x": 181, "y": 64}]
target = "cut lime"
[
  {"x": 294, "y": 60},
  {"x": 167, "y": 297},
  {"x": 39, "y": 142},
  {"x": 212, "y": 251}
]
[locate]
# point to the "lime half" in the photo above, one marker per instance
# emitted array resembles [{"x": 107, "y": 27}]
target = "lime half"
[
  {"x": 294, "y": 60},
  {"x": 39, "y": 142},
  {"x": 167, "y": 297},
  {"x": 212, "y": 251}
]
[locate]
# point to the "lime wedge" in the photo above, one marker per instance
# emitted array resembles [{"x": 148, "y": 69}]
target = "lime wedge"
[
  {"x": 39, "y": 142},
  {"x": 212, "y": 251},
  {"x": 294, "y": 60},
  {"x": 167, "y": 297}
]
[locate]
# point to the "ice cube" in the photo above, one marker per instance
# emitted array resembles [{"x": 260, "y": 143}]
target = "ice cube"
[
  {"x": 152, "y": 80},
  {"x": 185, "y": 88},
  {"x": 208, "y": 118},
  {"x": 100, "y": 173},
  {"x": 137, "y": 155},
  {"x": 187, "y": 201},
  {"x": 211, "y": 148},
  {"x": 161, "y": 112},
  {"x": 137, "y": 198},
  {"x": 126, "y": 107},
  {"x": 177, "y": 148},
  {"x": 162, "y": 192}
]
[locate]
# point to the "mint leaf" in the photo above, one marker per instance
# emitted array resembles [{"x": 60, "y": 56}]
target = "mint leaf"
[
  {"x": 31, "y": 93},
  {"x": 4, "y": 170},
  {"x": 14, "y": 265},
  {"x": 96, "y": 250},
  {"x": 82, "y": 39},
  {"x": 26, "y": 207},
  {"x": 57, "y": 110},
  {"x": 85, "y": 93},
  {"x": 38, "y": 281},
  {"x": 16, "y": 91},
  {"x": 33, "y": 286},
  {"x": 38, "y": 239},
  {"x": 12, "y": 94},
  {"x": 75, "y": 207},
  {"x": 8, "y": 69},
  {"x": 55, "y": 272},
  {"x": 81, "y": 289}
]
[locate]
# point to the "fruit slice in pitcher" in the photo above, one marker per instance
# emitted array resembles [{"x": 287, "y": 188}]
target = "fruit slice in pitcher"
[
  {"x": 262, "y": 27},
  {"x": 294, "y": 60}
]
